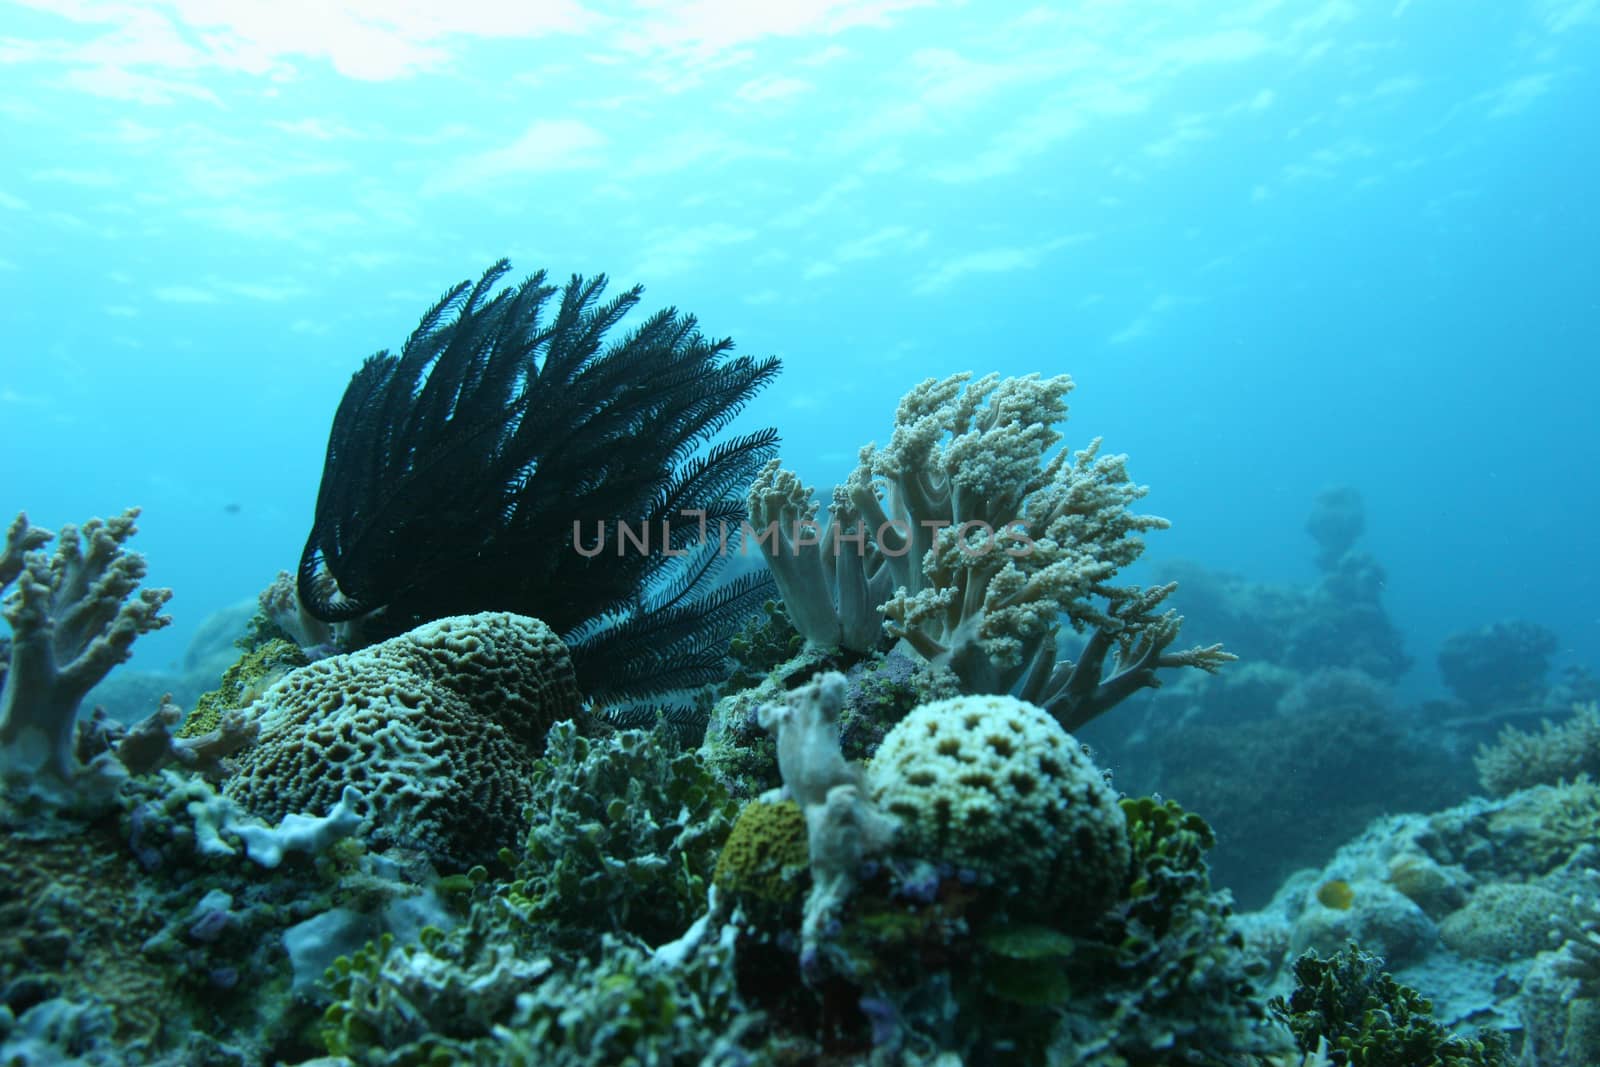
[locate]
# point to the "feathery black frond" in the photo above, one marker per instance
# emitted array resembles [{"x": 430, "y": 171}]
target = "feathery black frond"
[
  {"x": 681, "y": 725},
  {"x": 673, "y": 643},
  {"x": 459, "y": 472}
]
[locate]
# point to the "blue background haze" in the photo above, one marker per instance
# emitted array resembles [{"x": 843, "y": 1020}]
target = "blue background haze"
[{"x": 1280, "y": 246}]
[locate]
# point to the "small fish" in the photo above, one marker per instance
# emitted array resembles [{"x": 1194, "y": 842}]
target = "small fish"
[
  {"x": 1336, "y": 894},
  {"x": 232, "y": 509}
]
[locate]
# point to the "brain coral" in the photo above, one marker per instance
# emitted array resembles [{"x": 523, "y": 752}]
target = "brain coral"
[
  {"x": 994, "y": 784},
  {"x": 438, "y": 728}
]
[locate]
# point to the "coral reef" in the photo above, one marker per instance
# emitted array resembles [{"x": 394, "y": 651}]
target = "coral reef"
[
  {"x": 1488, "y": 906},
  {"x": 74, "y": 615},
  {"x": 1339, "y": 621},
  {"x": 1502, "y": 664},
  {"x": 452, "y": 846},
  {"x": 1111, "y": 948},
  {"x": 912, "y": 961}
]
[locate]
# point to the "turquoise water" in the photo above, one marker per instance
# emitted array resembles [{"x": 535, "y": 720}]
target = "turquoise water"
[{"x": 1279, "y": 246}]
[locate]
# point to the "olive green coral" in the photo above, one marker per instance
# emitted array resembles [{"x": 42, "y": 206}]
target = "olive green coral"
[
  {"x": 243, "y": 683},
  {"x": 766, "y": 855},
  {"x": 1169, "y": 847},
  {"x": 1370, "y": 1020}
]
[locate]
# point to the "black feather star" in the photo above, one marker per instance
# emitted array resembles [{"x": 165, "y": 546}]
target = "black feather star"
[{"x": 481, "y": 468}]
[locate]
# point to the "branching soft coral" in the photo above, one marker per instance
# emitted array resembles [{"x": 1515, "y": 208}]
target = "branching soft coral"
[
  {"x": 989, "y": 541},
  {"x": 831, "y": 576},
  {"x": 74, "y": 616}
]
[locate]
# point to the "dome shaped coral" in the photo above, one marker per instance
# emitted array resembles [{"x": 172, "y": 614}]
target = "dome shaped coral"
[
  {"x": 438, "y": 728},
  {"x": 995, "y": 785}
]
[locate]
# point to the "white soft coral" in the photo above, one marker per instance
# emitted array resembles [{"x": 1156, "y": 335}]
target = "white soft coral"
[
  {"x": 843, "y": 827},
  {"x": 74, "y": 615}
]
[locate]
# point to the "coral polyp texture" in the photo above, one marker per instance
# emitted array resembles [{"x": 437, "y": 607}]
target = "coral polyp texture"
[
  {"x": 766, "y": 855},
  {"x": 74, "y": 615},
  {"x": 974, "y": 542},
  {"x": 994, "y": 785},
  {"x": 438, "y": 728}
]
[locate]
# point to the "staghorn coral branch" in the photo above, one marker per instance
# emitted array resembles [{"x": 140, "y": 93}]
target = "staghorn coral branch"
[
  {"x": 74, "y": 616},
  {"x": 21, "y": 539},
  {"x": 1577, "y": 934},
  {"x": 1077, "y": 693},
  {"x": 1560, "y": 751}
]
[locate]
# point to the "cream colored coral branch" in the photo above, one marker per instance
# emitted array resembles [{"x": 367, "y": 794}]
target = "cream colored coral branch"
[
  {"x": 74, "y": 616},
  {"x": 983, "y": 540}
]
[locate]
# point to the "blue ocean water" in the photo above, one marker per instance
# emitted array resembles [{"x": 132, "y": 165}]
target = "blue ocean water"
[{"x": 1279, "y": 246}]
